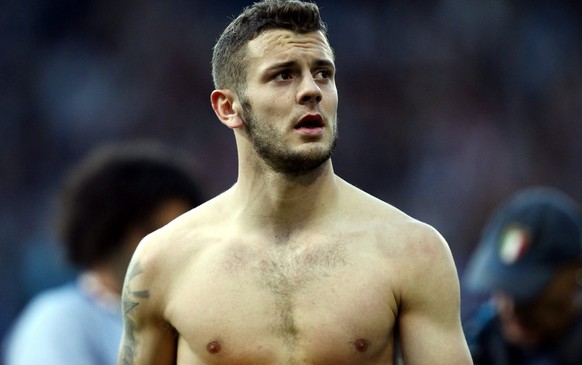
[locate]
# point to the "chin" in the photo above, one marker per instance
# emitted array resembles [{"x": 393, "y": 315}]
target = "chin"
[{"x": 302, "y": 163}]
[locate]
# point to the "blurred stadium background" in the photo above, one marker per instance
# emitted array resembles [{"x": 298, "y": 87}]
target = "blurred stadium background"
[{"x": 446, "y": 107}]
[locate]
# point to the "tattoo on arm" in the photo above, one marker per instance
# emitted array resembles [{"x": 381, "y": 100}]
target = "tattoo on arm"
[{"x": 131, "y": 299}]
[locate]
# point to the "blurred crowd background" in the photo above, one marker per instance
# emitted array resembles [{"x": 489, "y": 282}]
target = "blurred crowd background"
[{"x": 446, "y": 107}]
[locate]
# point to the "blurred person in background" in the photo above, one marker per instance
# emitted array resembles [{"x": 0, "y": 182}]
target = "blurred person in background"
[
  {"x": 108, "y": 203},
  {"x": 530, "y": 263}
]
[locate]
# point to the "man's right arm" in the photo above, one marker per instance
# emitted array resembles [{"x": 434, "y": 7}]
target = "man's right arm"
[{"x": 147, "y": 339}]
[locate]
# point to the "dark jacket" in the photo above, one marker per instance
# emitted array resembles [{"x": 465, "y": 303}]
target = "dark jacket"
[{"x": 488, "y": 347}]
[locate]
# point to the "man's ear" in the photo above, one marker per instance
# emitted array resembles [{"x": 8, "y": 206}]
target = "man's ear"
[{"x": 225, "y": 105}]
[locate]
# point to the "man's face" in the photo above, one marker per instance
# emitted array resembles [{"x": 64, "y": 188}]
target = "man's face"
[
  {"x": 290, "y": 101},
  {"x": 544, "y": 319}
]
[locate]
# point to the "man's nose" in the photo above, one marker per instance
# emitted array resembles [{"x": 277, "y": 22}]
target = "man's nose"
[{"x": 309, "y": 91}]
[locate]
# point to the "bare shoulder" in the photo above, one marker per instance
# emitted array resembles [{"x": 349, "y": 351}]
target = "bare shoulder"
[
  {"x": 361, "y": 204},
  {"x": 395, "y": 232},
  {"x": 184, "y": 233},
  {"x": 162, "y": 254},
  {"x": 422, "y": 278},
  {"x": 415, "y": 254}
]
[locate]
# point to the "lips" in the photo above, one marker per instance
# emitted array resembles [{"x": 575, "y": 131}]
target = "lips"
[{"x": 310, "y": 121}]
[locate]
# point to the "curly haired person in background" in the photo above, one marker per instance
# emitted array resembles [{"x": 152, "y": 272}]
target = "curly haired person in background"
[{"x": 108, "y": 203}]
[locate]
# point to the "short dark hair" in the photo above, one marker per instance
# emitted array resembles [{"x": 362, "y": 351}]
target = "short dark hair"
[
  {"x": 115, "y": 188},
  {"x": 229, "y": 56}
]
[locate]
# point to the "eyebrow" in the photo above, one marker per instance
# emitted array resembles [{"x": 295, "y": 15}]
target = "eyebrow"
[
  {"x": 283, "y": 65},
  {"x": 326, "y": 63}
]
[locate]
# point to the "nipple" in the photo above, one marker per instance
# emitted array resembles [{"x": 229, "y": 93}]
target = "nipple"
[
  {"x": 214, "y": 347},
  {"x": 361, "y": 345}
]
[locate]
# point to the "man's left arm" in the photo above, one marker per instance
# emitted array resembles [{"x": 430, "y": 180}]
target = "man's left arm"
[{"x": 429, "y": 315}]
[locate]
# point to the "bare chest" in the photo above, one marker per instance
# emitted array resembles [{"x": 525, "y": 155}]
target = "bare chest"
[{"x": 320, "y": 304}]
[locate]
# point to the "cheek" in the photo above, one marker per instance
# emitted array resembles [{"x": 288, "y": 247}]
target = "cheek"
[
  {"x": 330, "y": 104},
  {"x": 276, "y": 107}
]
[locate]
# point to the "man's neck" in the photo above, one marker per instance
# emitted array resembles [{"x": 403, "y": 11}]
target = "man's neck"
[{"x": 280, "y": 201}]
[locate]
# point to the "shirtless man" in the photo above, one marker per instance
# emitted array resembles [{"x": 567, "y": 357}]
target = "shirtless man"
[{"x": 292, "y": 265}]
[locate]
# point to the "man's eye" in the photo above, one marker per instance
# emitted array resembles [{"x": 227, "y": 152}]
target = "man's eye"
[
  {"x": 284, "y": 75},
  {"x": 322, "y": 74}
]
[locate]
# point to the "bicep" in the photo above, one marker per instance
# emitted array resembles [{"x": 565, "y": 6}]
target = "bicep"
[
  {"x": 147, "y": 345},
  {"x": 146, "y": 339},
  {"x": 429, "y": 323}
]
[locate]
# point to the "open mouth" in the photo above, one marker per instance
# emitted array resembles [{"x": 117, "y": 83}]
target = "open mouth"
[{"x": 311, "y": 121}]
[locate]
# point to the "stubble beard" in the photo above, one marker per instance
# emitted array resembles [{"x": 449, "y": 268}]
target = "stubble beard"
[{"x": 268, "y": 143}]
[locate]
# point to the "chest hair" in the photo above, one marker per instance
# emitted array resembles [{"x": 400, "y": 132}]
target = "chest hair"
[{"x": 284, "y": 271}]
